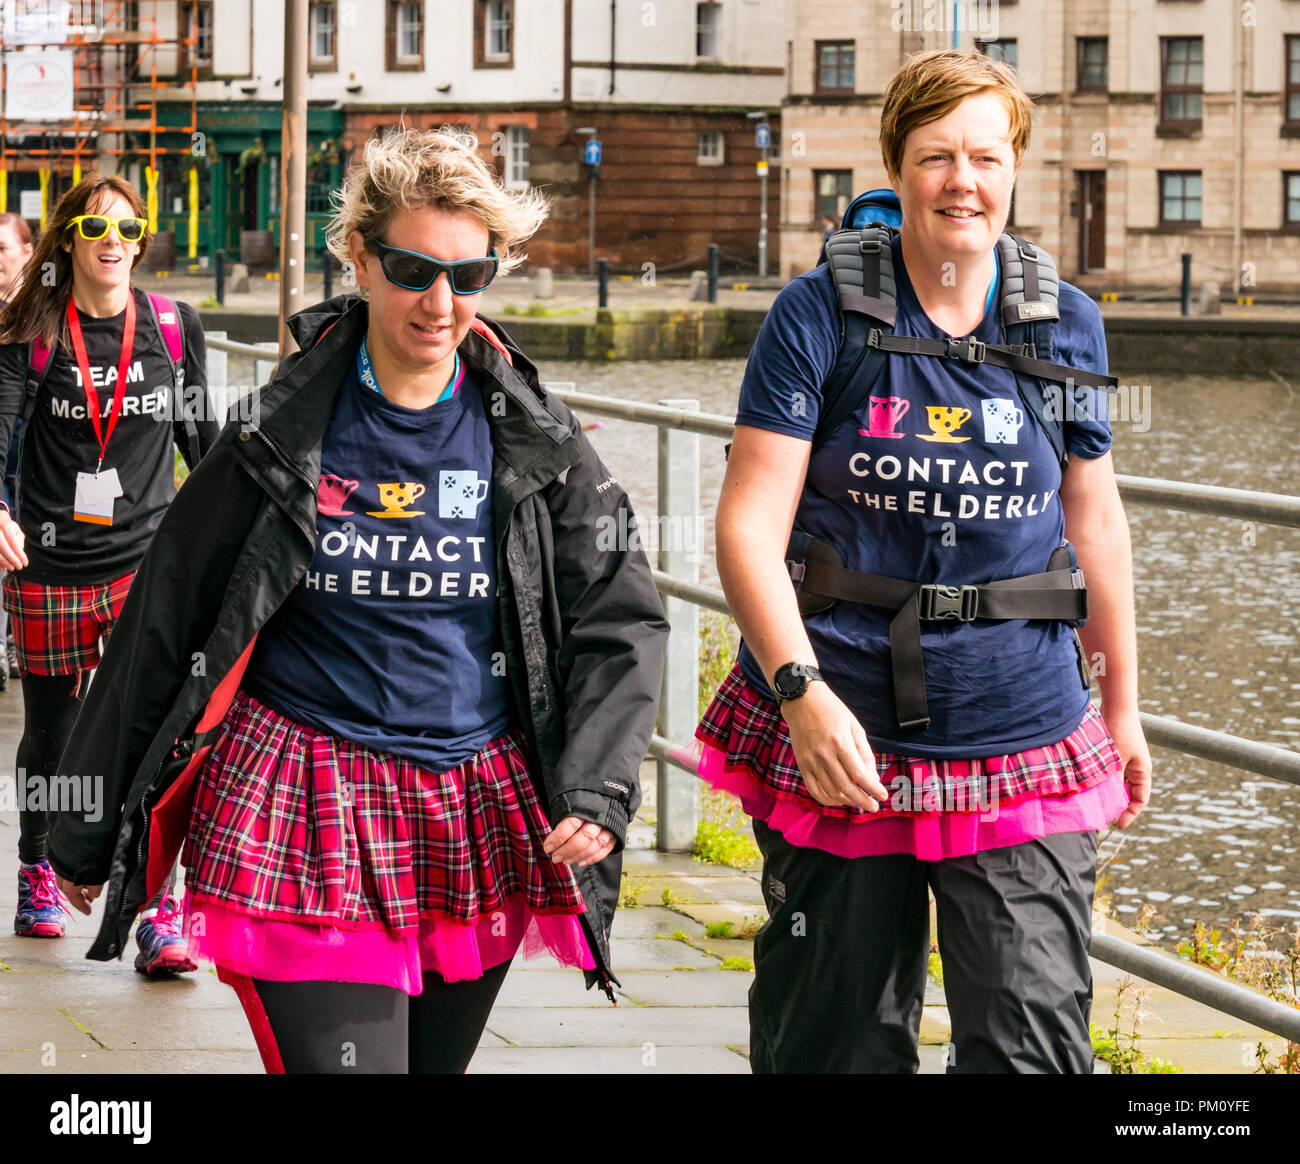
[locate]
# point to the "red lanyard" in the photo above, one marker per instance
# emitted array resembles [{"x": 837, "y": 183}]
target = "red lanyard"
[{"x": 123, "y": 367}]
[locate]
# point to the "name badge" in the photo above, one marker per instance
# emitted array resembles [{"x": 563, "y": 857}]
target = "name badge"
[{"x": 95, "y": 495}]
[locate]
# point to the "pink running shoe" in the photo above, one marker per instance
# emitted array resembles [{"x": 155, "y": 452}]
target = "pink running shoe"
[
  {"x": 41, "y": 907},
  {"x": 163, "y": 948}
]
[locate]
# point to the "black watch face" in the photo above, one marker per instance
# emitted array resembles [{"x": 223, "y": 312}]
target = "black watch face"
[{"x": 789, "y": 682}]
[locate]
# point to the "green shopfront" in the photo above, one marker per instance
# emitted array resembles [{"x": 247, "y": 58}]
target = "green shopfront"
[{"x": 236, "y": 154}]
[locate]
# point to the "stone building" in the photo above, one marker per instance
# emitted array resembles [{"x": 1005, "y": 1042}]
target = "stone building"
[{"x": 1163, "y": 127}]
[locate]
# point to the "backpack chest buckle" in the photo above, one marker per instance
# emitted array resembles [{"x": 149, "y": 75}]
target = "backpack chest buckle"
[
  {"x": 970, "y": 349},
  {"x": 936, "y": 603}
]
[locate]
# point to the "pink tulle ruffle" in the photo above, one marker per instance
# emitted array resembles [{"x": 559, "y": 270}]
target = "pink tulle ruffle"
[
  {"x": 287, "y": 951},
  {"x": 927, "y": 836}
]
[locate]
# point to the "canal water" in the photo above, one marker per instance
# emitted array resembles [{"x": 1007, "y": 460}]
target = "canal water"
[{"x": 1216, "y": 618}]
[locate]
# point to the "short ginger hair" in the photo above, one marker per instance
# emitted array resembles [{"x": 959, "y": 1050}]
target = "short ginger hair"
[{"x": 932, "y": 84}]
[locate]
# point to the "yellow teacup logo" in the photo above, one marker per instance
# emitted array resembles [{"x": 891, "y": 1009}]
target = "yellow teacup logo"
[
  {"x": 944, "y": 422},
  {"x": 395, "y": 496}
]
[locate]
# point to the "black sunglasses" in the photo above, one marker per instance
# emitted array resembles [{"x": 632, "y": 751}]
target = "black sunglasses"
[{"x": 416, "y": 272}]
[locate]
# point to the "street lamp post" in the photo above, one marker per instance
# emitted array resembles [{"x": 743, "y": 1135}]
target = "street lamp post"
[
  {"x": 591, "y": 156},
  {"x": 763, "y": 137}
]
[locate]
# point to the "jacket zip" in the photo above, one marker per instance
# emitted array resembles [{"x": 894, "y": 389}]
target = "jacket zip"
[{"x": 279, "y": 456}]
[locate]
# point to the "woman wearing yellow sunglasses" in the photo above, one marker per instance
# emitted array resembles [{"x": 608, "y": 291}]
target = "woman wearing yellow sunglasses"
[{"x": 96, "y": 474}]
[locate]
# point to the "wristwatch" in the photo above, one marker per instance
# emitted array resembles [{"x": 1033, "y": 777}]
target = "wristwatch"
[{"x": 791, "y": 681}]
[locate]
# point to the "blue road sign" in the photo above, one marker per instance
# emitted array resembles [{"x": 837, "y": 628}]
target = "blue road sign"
[
  {"x": 763, "y": 135},
  {"x": 592, "y": 155}
]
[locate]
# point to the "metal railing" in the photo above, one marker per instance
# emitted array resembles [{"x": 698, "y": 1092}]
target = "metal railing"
[{"x": 680, "y": 424}]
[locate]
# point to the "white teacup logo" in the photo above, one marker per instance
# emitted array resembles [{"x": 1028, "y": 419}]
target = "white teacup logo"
[
  {"x": 460, "y": 492},
  {"x": 1002, "y": 421}
]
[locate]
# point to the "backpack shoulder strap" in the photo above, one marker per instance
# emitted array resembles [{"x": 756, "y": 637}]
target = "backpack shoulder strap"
[
  {"x": 38, "y": 367},
  {"x": 862, "y": 268},
  {"x": 1030, "y": 305},
  {"x": 168, "y": 321}
]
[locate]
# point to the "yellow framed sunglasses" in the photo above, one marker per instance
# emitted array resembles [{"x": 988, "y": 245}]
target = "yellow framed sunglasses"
[{"x": 92, "y": 227}]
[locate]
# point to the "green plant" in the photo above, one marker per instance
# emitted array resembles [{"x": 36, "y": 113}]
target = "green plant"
[
  {"x": 737, "y": 964},
  {"x": 722, "y": 837},
  {"x": 510, "y": 309},
  {"x": 1262, "y": 956},
  {"x": 630, "y": 898},
  {"x": 1122, "y": 1049},
  {"x": 936, "y": 963},
  {"x": 719, "y": 641},
  {"x": 669, "y": 898},
  {"x": 209, "y": 301},
  {"x": 720, "y": 929},
  {"x": 750, "y": 926}
]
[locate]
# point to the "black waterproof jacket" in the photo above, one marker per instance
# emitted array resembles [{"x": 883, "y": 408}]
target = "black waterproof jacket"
[{"x": 582, "y": 625}]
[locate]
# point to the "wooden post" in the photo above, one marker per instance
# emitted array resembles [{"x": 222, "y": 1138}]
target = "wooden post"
[{"x": 293, "y": 169}]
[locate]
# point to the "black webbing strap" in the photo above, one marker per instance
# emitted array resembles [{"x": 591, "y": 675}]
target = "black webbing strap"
[
  {"x": 1055, "y": 594},
  {"x": 1014, "y": 359}
]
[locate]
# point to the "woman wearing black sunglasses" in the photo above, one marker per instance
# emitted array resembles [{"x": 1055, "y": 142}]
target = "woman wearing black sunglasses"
[
  {"x": 431, "y": 759},
  {"x": 97, "y": 467}
]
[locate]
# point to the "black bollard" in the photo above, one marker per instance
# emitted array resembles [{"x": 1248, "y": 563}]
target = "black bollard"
[
  {"x": 327, "y": 263},
  {"x": 1187, "y": 284},
  {"x": 221, "y": 278},
  {"x": 713, "y": 272},
  {"x": 602, "y": 282}
]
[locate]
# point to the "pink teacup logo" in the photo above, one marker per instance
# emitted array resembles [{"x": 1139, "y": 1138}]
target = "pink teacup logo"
[
  {"x": 885, "y": 413},
  {"x": 332, "y": 494}
]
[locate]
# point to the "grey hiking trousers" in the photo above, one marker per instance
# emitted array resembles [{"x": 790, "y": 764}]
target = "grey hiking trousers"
[{"x": 840, "y": 966}]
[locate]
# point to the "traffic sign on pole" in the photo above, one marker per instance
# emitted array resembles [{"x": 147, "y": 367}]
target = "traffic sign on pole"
[
  {"x": 763, "y": 135},
  {"x": 592, "y": 155}
]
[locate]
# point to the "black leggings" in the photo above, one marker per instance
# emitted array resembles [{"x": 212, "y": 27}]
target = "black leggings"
[
  {"x": 345, "y": 1028},
  {"x": 50, "y": 706}
]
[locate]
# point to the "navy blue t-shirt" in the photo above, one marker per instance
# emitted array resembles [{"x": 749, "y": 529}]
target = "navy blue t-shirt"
[
  {"x": 390, "y": 638},
  {"x": 943, "y": 476}
]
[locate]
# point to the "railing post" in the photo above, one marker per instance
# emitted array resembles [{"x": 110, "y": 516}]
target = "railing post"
[
  {"x": 1186, "y": 289},
  {"x": 218, "y": 371},
  {"x": 602, "y": 282},
  {"x": 678, "y": 807},
  {"x": 327, "y": 268},
  {"x": 221, "y": 277},
  {"x": 713, "y": 272}
]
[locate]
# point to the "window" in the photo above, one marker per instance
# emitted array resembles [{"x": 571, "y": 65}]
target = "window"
[
  {"x": 1181, "y": 58},
  {"x": 706, "y": 30},
  {"x": 834, "y": 70},
  {"x": 197, "y": 16},
  {"x": 999, "y": 50},
  {"x": 499, "y": 28},
  {"x": 1292, "y": 110},
  {"x": 834, "y": 191},
  {"x": 494, "y": 34},
  {"x": 709, "y": 148},
  {"x": 1180, "y": 198},
  {"x": 405, "y": 34},
  {"x": 1291, "y": 198},
  {"x": 1093, "y": 64},
  {"x": 516, "y": 169},
  {"x": 323, "y": 22}
]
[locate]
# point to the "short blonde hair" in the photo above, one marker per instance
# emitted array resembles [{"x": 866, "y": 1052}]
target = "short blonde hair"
[
  {"x": 931, "y": 85},
  {"x": 409, "y": 168}
]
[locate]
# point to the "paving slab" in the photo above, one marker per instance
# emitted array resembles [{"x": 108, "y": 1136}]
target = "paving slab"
[
  {"x": 650, "y": 921},
  {"x": 679, "y": 988},
  {"x": 548, "y": 987},
  {"x": 162, "y": 1028},
  {"x": 741, "y": 915},
  {"x": 624, "y": 1026},
  {"x": 184, "y": 1062},
  {"x": 669, "y": 1060},
  {"x": 655, "y": 954},
  {"x": 936, "y": 1025}
]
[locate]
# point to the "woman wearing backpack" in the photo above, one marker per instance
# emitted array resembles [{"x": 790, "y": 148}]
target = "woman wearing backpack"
[
  {"x": 96, "y": 475},
  {"x": 15, "y": 253},
  {"x": 933, "y": 732}
]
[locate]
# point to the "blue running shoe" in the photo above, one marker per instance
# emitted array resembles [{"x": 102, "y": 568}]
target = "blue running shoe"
[
  {"x": 163, "y": 948},
  {"x": 41, "y": 907}
]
